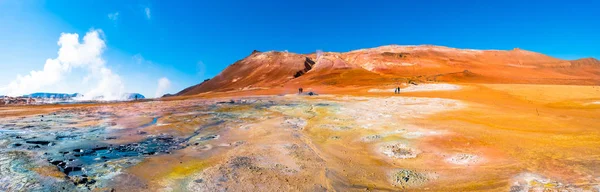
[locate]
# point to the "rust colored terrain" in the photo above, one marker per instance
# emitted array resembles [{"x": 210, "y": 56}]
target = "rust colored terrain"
[{"x": 283, "y": 72}]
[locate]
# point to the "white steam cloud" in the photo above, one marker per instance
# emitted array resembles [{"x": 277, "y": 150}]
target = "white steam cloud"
[
  {"x": 201, "y": 69},
  {"x": 163, "y": 85},
  {"x": 73, "y": 54},
  {"x": 319, "y": 54},
  {"x": 147, "y": 11},
  {"x": 113, "y": 16}
]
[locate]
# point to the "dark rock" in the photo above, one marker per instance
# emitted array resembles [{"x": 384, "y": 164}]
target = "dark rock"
[
  {"x": 55, "y": 162},
  {"x": 100, "y": 148},
  {"x": 64, "y": 137},
  {"x": 39, "y": 142},
  {"x": 396, "y": 55},
  {"x": 68, "y": 170},
  {"x": 308, "y": 65},
  {"x": 226, "y": 102}
]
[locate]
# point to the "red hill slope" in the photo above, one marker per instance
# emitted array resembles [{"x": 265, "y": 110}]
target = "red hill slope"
[{"x": 393, "y": 64}]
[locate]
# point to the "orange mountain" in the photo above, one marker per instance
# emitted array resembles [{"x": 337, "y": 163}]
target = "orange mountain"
[{"x": 392, "y": 65}]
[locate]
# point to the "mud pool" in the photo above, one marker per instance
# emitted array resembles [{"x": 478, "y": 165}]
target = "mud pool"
[
  {"x": 300, "y": 143},
  {"x": 81, "y": 149}
]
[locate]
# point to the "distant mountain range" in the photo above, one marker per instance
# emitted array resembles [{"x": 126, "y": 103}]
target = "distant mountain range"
[
  {"x": 134, "y": 96},
  {"x": 66, "y": 96},
  {"x": 53, "y": 95}
]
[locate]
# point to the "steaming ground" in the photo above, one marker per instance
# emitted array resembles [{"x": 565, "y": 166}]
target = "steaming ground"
[
  {"x": 79, "y": 67},
  {"x": 484, "y": 137}
]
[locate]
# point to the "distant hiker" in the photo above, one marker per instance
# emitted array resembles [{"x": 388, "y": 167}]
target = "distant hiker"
[
  {"x": 300, "y": 90},
  {"x": 397, "y": 90}
]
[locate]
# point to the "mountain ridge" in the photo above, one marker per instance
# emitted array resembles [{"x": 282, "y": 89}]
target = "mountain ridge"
[{"x": 394, "y": 64}]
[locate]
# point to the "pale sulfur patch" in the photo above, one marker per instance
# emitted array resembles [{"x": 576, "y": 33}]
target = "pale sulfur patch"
[
  {"x": 399, "y": 151},
  {"x": 369, "y": 66},
  {"x": 418, "y": 134},
  {"x": 380, "y": 90},
  {"x": 463, "y": 159},
  {"x": 260, "y": 56},
  {"x": 420, "y": 88},
  {"x": 413, "y": 132},
  {"x": 525, "y": 182},
  {"x": 521, "y": 66},
  {"x": 532, "y": 182},
  {"x": 430, "y": 87},
  {"x": 413, "y": 48}
]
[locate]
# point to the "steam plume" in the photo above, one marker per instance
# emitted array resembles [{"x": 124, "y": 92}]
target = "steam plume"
[
  {"x": 163, "y": 85},
  {"x": 72, "y": 54}
]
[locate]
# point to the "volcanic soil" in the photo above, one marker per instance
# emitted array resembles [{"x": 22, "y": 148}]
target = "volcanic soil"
[{"x": 446, "y": 137}]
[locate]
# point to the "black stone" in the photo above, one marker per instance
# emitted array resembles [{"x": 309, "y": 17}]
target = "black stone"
[
  {"x": 38, "y": 142},
  {"x": 99, "y": 148},
  {"x": 68, "y": 170},
  {"x": 55, "y": 162}
]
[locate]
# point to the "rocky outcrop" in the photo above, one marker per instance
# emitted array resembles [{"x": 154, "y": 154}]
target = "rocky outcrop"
[
  {"x": 308, "y": 65},
  {"x": 395, "y": 55}
]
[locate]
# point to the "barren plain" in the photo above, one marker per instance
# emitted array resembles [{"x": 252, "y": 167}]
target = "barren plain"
[{"x": 437, "y": 137}]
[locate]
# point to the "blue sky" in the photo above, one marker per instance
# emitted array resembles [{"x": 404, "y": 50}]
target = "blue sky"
[{"x": 188, "y": 41}]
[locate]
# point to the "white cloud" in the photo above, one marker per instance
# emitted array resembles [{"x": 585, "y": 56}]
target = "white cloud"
[
  {"x": 110, "y": 86},
  {"x": 200, "y": 69},
  {"x": 72, "y": 54},
  {"x": 147, "y": 11},
  {"x": 138, "y": 58},
  {"x": 113, "y": 16},
  {"x": 319, "y": 54},
  {"x": 163, "y": 85}
]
